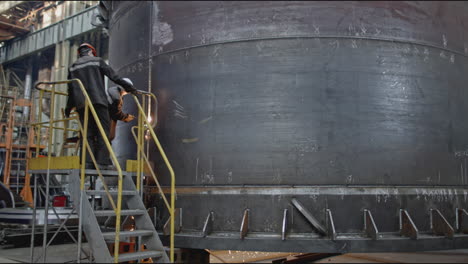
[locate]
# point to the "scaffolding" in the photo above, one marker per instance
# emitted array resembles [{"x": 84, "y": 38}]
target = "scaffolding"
[{"x": 16, "y": 136}]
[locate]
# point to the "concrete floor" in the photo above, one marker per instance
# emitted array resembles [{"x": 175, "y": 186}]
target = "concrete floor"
[
  {"x": 55, "y": 254},
  {"x": 452, "y": 256},
  {"x": 67, "y": 253}
]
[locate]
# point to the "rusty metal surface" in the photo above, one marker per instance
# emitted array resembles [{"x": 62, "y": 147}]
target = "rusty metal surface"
[
  {"x": 407, "y": 226},
  {"x": 345, "y": 106},
  {"x": 440, "y": 225}
]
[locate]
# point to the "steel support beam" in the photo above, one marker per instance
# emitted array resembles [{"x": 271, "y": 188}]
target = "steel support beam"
[{"x": 47, "y": 37}]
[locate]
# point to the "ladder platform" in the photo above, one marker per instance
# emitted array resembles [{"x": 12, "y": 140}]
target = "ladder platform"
[
  {"x": 139, "y": 255},
  {"x": 125, "y": 234},
  {"x": 105, "y": 173},
  {"x": 58, "y": 171},
  {"x": 111, "y": 192},
  {"x": 123, "y": 212}
]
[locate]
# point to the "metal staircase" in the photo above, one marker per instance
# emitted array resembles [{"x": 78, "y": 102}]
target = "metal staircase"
[
  {"x": 99, "y": 238},
  {"x": 124, "y": 198}
]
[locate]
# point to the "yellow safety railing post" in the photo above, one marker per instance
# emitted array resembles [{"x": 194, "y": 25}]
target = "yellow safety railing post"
[
  {"x": 153, "y": 174},
  {"x": 89, "y": 107},
  {"x": 85, "y": 141},
  {"x": 41, "y": 96},
  {"x": 49, "y": 160},
  {"x": 147, "y": 124}
]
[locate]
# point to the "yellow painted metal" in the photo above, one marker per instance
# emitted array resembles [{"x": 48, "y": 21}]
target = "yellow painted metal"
[
  {"x": 84, "y": 136},
  {"x": 39, "y": 128},
  {"x": 58, "y": 163},
  {"x": 153, "y": 174},
  {"x": 89, "y": 107},
  {"x": 131, "y": 165},
  {"x": 62, "y": 128},
  {"x": 51, "y": 135},
  {"x": 148, "y": 126},
  {"x": 91, "y": 155},
  {"x": 53, "y": 83},
  {"x": 53, "y": 121}
]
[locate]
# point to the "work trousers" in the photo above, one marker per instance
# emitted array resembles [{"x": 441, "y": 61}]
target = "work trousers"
[{"x": 95, "y": 139}]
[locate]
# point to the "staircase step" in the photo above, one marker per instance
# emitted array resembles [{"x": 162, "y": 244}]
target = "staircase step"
[
  {"x": 123, "y": 212},
  {"x": 105, "y": 173},
  {"x": 112, "y": 192},
  {"x": 140, "y": 255},
  {"x": 123, "y": 234}
]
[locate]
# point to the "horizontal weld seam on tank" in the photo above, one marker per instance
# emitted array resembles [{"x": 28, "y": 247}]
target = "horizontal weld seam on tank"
[
  {"x": 322, "y": 191},
  {"x": 299, "y": 37},
  {"x": 442, "y": 192},
  {"x": 311, "y": 37},
  {"x": 313, "y": 186}
]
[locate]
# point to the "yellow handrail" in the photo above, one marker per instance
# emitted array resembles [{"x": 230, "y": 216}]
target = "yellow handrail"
[
  {"x": 153, "y": 174},
  {"x": 143, "y": 124},
  {"x": 89, "y": 107}
]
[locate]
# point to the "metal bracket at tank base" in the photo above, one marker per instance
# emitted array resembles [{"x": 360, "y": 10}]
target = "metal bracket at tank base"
[
  {"x": 284, "y": 229},
  {"x": 407, "y": 226},
  {"x": 330, "y": 225},
  {"x": 370, "y": 228},
  {"x": 177, "y": 222},
  {"x": 309, "y": 216},
  {"x": 208, "y": 226},
  {"x": 245, "y": 224},
  {"x": 439, "y": 225},
  {"x": 462, "y": 220}
]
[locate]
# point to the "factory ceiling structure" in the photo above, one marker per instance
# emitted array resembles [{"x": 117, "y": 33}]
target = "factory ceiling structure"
[{"x": 17, "y": 17}]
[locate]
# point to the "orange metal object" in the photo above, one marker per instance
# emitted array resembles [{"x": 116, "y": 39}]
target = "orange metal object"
[{"x": 6, "y": 134}]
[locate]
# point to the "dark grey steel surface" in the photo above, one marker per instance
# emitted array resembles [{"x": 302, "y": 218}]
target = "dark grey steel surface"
[{"x": 275, "y": 93}]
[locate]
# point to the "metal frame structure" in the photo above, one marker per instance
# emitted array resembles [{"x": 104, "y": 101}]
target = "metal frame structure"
[
  {"x": 68, "y": 28},
  {"x": 20, "y": 151},
  {"x": 61, "y": 225},
  {"x": 142, "y": 159},
  {"x": 85, "y": 209}
]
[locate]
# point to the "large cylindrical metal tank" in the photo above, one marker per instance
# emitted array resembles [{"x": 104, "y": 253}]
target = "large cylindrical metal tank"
[{"x": 305, "y": 126}]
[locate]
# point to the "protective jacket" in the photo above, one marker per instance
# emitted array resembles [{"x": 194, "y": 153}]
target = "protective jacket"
[{"x": 91, "y": 70}]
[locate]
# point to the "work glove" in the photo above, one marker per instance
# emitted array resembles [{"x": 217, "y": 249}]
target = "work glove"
[
  {"x": 128, "y": 118},
  {"x": 67, "y": 112},
  {"x": 134, "y": 92}
]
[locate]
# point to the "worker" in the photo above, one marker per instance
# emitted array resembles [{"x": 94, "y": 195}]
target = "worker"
[
  {"x": 90, "y": 70},
  {"x": 114, "y": 97}
]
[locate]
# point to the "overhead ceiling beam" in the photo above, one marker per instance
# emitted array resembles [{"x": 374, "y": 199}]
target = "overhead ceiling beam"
[
  {"x": 7, "y": 5},
  {"x": 15, "y": 27},
  {"x": 5, "y": 35}
]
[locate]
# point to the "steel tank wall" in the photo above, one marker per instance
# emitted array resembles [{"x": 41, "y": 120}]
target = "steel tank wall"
[{"x": 346, "y": 106}]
